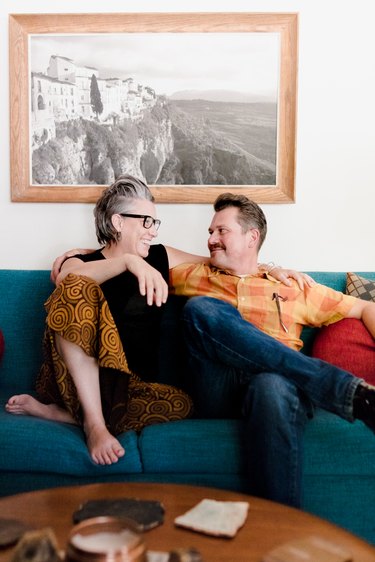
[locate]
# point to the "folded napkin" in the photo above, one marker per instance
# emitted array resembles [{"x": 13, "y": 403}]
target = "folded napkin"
[{"x": 219, "y": 518}]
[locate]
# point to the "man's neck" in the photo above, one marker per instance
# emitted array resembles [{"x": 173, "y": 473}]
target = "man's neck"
[
  {"x": 243, "y": 269},
  {"x": 243, "y": 272}
]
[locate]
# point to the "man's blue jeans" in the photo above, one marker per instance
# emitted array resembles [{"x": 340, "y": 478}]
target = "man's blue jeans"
[{"x": 237, "y": 370}]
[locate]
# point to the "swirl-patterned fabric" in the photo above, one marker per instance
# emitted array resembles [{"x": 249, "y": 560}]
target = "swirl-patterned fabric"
[{"x": 78, "y": 311}]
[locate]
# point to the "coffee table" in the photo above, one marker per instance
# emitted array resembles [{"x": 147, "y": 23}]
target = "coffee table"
[{"x": 268, "y": 524}]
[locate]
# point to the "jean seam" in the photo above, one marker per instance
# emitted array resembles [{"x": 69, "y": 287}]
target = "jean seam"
[
  {"x": 348, "y": 404},
  {"x": 294, "y": 424}
]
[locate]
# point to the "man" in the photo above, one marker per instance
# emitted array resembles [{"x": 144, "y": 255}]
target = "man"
[{"x": 243, "y": 335}]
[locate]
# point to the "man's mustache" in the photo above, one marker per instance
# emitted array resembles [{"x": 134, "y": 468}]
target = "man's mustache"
[{"x": 213, "y": 247}]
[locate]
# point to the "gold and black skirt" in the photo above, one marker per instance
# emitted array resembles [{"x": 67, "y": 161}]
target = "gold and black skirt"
[{"x": 78, "y": 311}]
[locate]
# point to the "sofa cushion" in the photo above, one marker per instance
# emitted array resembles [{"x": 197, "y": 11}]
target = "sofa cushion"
[
  {"x": 23, "y": 294},
  {"x": 338, "y": 475},
  {"x": 193, "y": 446},
  {"x": 30, "y": 444},
  {"x": 2, "y": 345},
  {"x": 360, "y": 287},
  {"x": 348, "y": 345},
  {"x": 330, "y": 439}
]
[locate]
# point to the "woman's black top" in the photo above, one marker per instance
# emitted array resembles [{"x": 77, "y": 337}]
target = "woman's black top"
[{"x": 137, "y": 322}]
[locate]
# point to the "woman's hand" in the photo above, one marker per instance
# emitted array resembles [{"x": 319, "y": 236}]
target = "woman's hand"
[
  {"x": 150, "y": 280},
  {"x": 284, "y": 275}
]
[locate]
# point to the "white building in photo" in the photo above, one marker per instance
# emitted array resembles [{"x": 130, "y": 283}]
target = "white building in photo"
[{"x": 63, "y": 94}]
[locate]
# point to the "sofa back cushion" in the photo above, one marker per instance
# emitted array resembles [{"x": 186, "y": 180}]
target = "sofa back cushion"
[
  {"x": 22, "y": 316},
  {"x": 22, "y": 294},
  {"x": 2, "y": 345},
  {"x": 348, "y": 345},
  {"x": 336, "y": 280}
]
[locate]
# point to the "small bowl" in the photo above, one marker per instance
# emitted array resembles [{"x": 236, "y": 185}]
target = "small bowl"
[{"x": 106, "y": 539}]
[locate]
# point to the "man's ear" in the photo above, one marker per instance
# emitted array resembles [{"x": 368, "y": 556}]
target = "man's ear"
[{"x": 253, "y": 236}]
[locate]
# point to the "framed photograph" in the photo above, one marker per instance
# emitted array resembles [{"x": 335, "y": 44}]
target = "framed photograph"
[{"x": 194, "y": 104}]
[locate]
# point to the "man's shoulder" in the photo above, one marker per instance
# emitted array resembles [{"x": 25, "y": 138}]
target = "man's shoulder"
[
  {"x": 184, "y": 271},
  {"x": 189, "y": 266}
]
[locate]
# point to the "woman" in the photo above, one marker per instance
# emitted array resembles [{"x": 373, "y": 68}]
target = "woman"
[{"x": 102, "y": 334}]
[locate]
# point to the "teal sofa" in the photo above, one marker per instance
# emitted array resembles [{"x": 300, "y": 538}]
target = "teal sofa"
[{"x": 339, "y": 462}]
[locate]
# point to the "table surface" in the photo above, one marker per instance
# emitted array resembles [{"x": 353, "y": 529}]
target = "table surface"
[{"x": 268, "y": 524}]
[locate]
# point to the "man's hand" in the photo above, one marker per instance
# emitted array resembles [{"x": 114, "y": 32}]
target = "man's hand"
[{"x": 56, "y": 266}]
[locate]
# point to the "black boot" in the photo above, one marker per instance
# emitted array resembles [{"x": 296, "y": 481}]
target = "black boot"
[{"x": 364, "y": 405}]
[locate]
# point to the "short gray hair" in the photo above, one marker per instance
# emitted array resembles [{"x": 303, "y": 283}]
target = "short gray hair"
[
  {"x": 250, "y": 215},
  {"x": 117, "y": 198}
]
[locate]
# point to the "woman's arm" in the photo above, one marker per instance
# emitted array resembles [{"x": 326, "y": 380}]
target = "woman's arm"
[
  {"x": 98, "y": 270},
  {"x": 284, "y": 275},
  {"x": 150, "y": 281}
]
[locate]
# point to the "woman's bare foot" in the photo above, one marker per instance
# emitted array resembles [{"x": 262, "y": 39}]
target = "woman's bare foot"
[
  {"x": 104, "y": 448},
  {"x": 26, "y": 405}
]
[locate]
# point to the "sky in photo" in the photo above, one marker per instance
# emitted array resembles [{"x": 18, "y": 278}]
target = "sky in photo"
[{"x": 170, "y": 62}]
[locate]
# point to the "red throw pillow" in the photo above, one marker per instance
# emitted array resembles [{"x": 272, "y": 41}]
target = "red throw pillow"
[
  {"x": 2, "y": 344},
  {"x": 348, "y": 345}
]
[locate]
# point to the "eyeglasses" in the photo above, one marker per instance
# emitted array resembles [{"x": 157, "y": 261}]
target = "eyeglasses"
[{"x": 148, "y": 221}]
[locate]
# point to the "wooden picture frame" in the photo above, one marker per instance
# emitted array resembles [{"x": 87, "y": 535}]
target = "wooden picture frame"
[{"x": 22, "y": 27}]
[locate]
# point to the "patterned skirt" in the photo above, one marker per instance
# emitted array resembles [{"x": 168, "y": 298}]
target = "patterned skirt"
[{"x": 78, "y": 311}]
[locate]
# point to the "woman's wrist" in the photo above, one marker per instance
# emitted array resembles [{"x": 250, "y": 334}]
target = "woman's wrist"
[{"x": 268, "y": 267}]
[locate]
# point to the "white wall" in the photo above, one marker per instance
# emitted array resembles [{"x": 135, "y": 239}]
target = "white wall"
[{"x": 330, "y": 227}]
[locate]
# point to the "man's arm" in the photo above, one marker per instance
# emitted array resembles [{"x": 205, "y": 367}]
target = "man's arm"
[
  {"x": 365, "y": 311},
  {"x": 56, "y": 266},
  {"x": 177, "y": 257}
]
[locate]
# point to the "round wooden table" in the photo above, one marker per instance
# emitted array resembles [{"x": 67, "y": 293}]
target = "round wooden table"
[{"x": 268, "y": 524}]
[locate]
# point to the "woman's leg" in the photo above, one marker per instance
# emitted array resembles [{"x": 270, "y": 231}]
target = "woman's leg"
[
  {"x": 85, "y": 377},
  {"x": 103, "y": 446},
  {"x": 27, "y": 405}
]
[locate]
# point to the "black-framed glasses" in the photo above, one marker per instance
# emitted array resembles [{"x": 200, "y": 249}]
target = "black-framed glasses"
[{"x": 148, "y": 221}]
